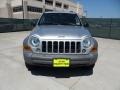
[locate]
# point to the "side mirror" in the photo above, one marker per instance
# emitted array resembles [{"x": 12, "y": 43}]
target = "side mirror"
[
  {"x": 86, "y": 25},
  {"x": 33, "y": 23}
]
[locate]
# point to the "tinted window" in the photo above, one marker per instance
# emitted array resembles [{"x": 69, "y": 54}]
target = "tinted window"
[{"x": 59, "y": 19}]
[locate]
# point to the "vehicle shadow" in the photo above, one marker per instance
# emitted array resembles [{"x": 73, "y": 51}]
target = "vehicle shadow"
[{"x": 61, "y": 72}]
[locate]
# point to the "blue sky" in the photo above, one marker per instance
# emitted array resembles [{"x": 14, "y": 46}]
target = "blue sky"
[{"x": 101, "y": 8}]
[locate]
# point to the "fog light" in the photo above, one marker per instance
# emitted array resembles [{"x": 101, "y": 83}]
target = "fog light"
[
  {"x": 83, "y": 51},
  {"x": 37, "y": 49}
]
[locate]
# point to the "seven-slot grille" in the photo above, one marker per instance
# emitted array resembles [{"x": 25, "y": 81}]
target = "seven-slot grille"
[{"x": 61, "y": 46}]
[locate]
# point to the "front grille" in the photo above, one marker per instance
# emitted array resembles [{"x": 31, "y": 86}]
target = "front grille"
[{"x": 61, "y": 46}]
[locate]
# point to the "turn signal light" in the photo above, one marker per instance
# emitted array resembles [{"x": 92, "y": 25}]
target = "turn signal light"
[
  {"x": 27, "y": 48},
  {"x": 94, "y": 49}
]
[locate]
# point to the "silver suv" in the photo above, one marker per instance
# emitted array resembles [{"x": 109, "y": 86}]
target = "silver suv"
[{"x": 59, "y": 39}]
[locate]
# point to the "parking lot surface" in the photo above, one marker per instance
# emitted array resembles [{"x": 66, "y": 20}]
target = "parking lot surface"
[{"x": 15, "y": 76}]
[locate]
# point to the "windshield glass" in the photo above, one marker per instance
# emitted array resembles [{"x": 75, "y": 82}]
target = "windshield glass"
[{"x": 59, "y": 19}]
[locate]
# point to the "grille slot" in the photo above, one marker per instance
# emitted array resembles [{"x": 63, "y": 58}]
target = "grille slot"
[
  {"x": 78, "y": 47},
  {"x": 55, "y": 47},
  {"x": 50, "y": 46},
  {"x": 67, "y": 47},
  {"x": 44, "y": 46},
  {"x": 61, "y": 46},
  {"x": 72, "y": 47}
]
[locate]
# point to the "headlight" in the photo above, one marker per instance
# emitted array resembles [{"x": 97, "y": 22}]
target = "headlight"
[
  {"x": 34, "y": 41},
  {"x": 86, "y": 42}
]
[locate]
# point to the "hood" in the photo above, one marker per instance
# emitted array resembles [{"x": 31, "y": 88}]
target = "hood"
[{"x": 60, "y": 31}]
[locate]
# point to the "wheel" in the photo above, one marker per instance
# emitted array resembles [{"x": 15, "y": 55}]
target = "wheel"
[{"x": 29, "y": 67}]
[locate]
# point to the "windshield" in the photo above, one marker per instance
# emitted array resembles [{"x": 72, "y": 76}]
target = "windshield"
[{"x": 59, "y": 19}]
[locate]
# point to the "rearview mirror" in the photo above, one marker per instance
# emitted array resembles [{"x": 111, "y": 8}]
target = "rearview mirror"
[{"x": 86, "y": 25}]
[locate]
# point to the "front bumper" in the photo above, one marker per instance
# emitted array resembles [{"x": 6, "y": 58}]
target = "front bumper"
[{"x": 47, "y": 59}]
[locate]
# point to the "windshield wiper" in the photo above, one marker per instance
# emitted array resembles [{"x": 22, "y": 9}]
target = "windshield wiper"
[
  {"x": 59, "y": 24},
  {"x": 49, "y": 24},
  {"x": 70, "y": 24}
]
